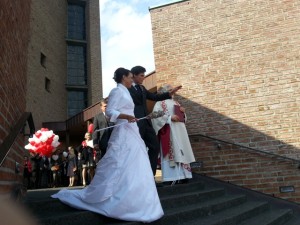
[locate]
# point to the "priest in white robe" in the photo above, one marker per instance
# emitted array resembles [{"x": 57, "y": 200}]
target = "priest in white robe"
[{"x": 176, "y": 152}]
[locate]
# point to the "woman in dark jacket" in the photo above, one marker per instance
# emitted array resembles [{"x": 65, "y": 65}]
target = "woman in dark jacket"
[
  {"x": 72, "y": 166},
  {"x": 87, "y": 157}
]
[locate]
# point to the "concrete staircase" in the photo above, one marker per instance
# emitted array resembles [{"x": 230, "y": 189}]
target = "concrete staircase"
[{"x": 203, "y": 201}]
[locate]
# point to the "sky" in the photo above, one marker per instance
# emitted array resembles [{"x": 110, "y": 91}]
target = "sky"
[{"x": 126, "y": 37}]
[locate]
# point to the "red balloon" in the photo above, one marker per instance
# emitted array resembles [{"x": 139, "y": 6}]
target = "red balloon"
[
  {"x": 38, "y": 135},
  {"x": 91, "y": 128}
]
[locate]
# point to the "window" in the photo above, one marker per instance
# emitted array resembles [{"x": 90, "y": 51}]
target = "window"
[
  {"x": 47, "y": 84},
  {"x": 77, "y": 101},
  {"x": 43, "y": 60},
  {"x": 76, "y": 65},
  {"x": 76, "y": 22}
]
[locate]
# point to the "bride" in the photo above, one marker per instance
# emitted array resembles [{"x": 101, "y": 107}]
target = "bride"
[{"x": 123, "y": 186}]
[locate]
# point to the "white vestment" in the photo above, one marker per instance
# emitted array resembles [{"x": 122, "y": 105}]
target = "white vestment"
[
  {"x": 123, "y": 186},
  {"x": 176, "y": 164}
]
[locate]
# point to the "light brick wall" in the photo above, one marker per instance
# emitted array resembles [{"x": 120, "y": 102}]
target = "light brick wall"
[
  {"x": 48, "y": 29},
  {"x": 14, "y": 25},
  {"x": 239, "y": 64}
]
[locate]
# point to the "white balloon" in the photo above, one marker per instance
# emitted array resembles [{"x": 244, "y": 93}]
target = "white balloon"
[
  {"x": 55, "y": 157},
  {"x": 65, "y": 154},
  {"x": 55, "y": 144},
  {"x": 36, "y": 139},
  {"x": 29, "y": 146},
  {"x": 43, "y": 138},
  {"x": 49, "y": 133},
  {"x": 56, "y": 138}
]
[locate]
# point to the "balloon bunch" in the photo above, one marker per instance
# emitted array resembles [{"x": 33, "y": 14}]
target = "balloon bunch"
[{"x": 43, "y": 142}]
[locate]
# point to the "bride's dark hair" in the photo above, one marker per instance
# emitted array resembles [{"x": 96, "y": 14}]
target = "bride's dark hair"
[{"x": 119, "y": 73}]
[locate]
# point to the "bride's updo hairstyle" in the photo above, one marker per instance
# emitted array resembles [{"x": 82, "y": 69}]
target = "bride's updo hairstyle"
[{"x": 119, "y": 73}]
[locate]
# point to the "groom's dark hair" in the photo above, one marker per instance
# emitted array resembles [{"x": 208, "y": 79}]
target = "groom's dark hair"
[{"x": 137, "y": 70}]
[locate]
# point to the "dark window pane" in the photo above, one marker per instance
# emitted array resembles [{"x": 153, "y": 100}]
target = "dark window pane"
[
  {"x": 76, "y": 22},
  {"x": 77, "y": 101},
  {"x": 77, "y": 65}
]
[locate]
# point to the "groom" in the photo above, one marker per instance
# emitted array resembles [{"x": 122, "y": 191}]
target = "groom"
[{"x": 139, "y": 95}]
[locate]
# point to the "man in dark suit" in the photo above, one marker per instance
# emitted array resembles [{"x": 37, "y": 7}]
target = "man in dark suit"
[
  {"x": 139, "y": 95},
  {"x": 100, "y": 138}
]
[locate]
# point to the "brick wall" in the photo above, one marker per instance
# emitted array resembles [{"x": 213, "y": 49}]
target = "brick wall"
[
  {"x": 247, "y": 168},
  {"x": 14, "y": 25},
  {"x": 94, "y": 52},
  {"x": 239, "y": 64},
  {"x": 48, "y": 28}
]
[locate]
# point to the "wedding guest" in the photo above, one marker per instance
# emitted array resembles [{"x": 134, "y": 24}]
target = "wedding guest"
[
  {"x": 55, "y": 164},
  {"x": 79, "y": 169},
  {"x": 87, "y": 157},
  {"x": 100, "y": 138},
  {"x": 124, "y": 172},
  {"x": 72, "y": 166},
  {"x": 36, "y": 172},
  {"x": 44, "y": 168},
  {"x": 27, "y": 172},
  {"x": 139, "y": 95},
  {"x": 64, "y": 169},
  {"x": 176, "y": 152}
]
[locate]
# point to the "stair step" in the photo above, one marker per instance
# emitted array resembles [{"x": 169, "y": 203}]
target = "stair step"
[
  {"x": 271, "y": 217},
  {"x": 295, "y": 220},
  {"x": 39, "y": 194},
  {"x": 180, "y": 188},
  {"x": 71, "y": 218},
  {"x": 172, "y": 201},
  {"x": 232, "y": 215},
  {"x": 175, "y": 216},
  {"x": 185, "y": 213},
  {"x": 42, "y": 207}
]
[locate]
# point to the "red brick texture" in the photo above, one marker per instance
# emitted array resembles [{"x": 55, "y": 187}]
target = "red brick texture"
[
  {"x": 239, "y": 64},
  {"x": 14, "y": 25}
]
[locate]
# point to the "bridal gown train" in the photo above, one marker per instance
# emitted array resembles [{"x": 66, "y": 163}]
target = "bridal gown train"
[{"x": 123, "y": 186}]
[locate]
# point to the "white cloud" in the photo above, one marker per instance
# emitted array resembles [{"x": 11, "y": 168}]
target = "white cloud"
[{"x": 126, "y": 37}]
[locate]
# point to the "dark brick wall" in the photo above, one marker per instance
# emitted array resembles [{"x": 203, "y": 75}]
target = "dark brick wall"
[{"x": 14, "y": 25}]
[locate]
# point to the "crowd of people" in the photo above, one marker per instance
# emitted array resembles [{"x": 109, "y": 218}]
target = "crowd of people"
[{"x": 72, "y": 167}]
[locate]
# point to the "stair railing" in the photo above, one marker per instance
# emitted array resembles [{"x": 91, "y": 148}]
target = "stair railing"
[
  {"x": 248, "y": 148},
  {"x": 15, "y": 131}
]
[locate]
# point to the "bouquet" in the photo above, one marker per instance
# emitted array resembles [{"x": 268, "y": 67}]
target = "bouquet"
[{"x": 43, "y": 142}]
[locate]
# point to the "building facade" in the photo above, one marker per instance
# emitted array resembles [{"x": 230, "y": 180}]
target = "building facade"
[
  {"x": 238, "y": 62},
  {"x": 50, "y": 72},
  {"x": 64, "y": 62}
]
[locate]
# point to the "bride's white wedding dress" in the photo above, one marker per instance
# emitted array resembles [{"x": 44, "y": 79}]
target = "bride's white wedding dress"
[{"x": 123, "y": 186}]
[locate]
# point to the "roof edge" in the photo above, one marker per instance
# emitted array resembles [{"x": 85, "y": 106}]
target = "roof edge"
[{"x": 166, "y": 4}]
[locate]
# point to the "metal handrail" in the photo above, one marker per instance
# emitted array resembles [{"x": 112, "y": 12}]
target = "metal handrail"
[
  {"x": 15, "y": 131},
  {"x": 249, "y": 148}
]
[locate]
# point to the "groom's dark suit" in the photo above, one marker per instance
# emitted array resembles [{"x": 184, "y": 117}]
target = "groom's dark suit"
[{"x": 147, "y": 132}]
